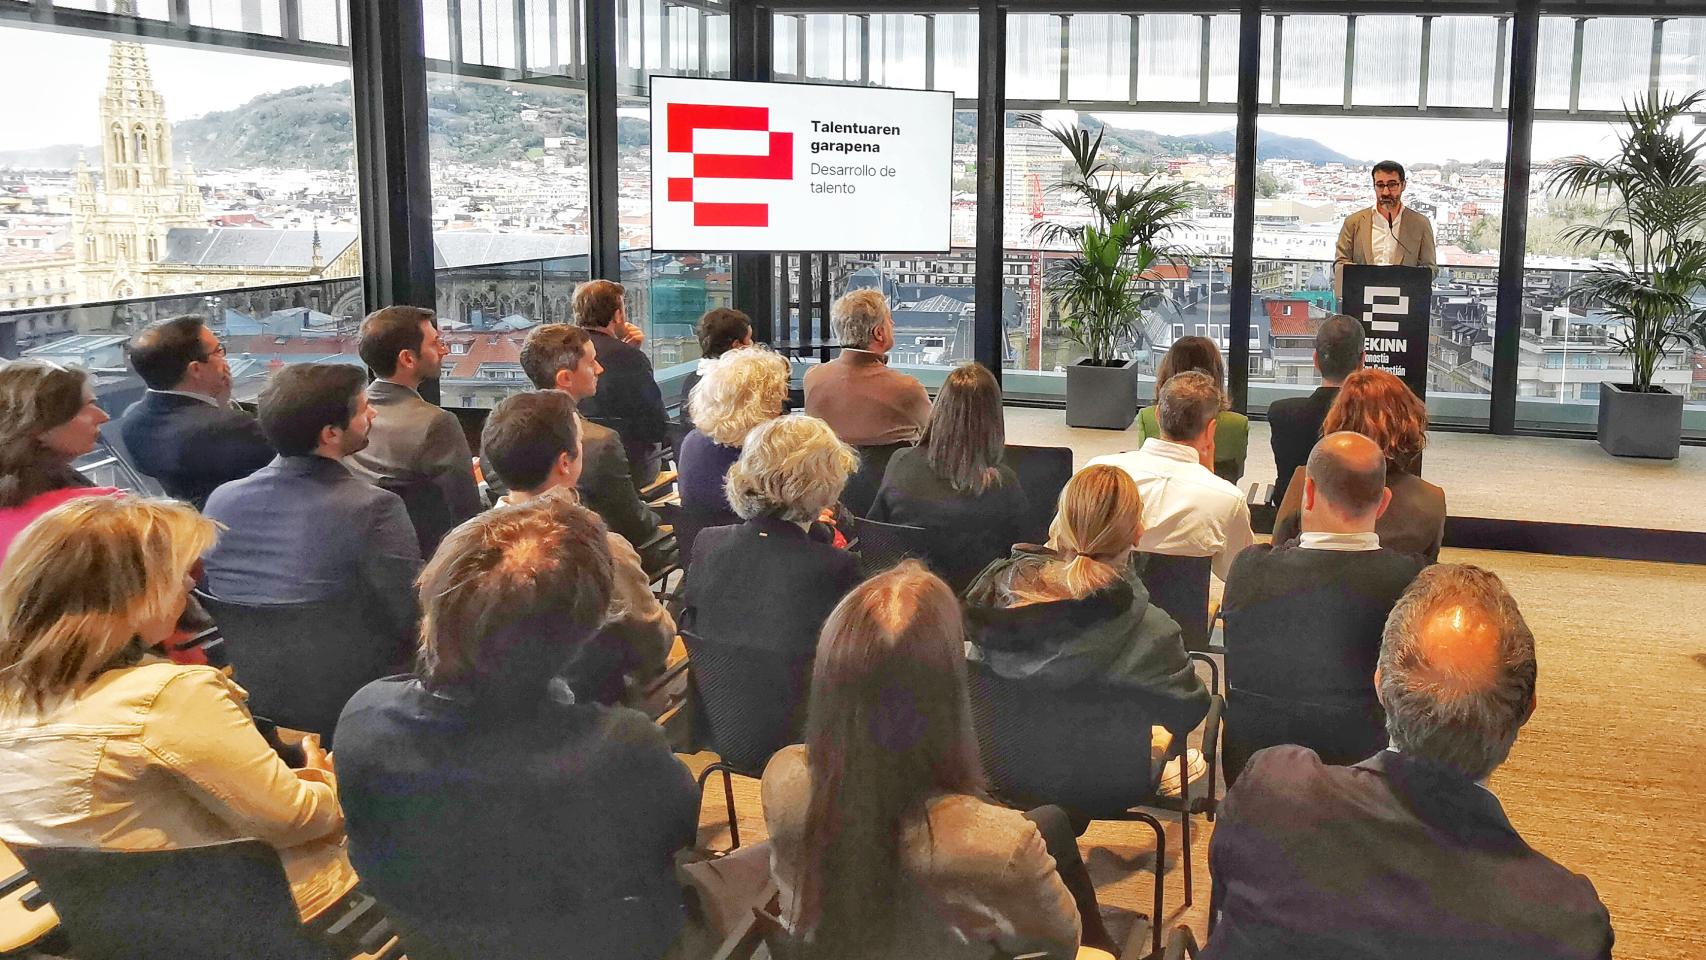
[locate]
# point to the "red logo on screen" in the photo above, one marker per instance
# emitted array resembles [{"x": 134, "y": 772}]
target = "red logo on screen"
[{"x": 778, "y": 164}]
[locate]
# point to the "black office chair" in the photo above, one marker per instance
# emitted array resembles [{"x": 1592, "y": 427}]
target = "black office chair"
[
  {"x": 1043, "y": 472},
  {"x": 195, "y": 903},
  {"x": 301, "y": 662},
  {"x": 747, "y": 704},
  {"x": 428, "y": 508},
  {"x": 1341, "y": 734},
  {"x": 1179, "y": 585},
  {"x": 882, "y": 545},
  {"x": 1088, "y": 752},
  {"x": 861, "y": 490}
]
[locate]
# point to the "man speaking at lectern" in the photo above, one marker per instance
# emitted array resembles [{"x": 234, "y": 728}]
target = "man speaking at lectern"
[{"x": 1386, "y": 234}]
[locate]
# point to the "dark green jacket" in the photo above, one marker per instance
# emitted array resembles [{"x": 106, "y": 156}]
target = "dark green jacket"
[{"x": 1114, "y": 636}]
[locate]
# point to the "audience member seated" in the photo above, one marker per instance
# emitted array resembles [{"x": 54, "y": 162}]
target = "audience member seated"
[
  {"x": 412, "y": 441},
  {"x": 1074, "y": 614},
  {"x": 747, "y": 387},
  {"x": 1295, "y": 422},
  {"x": 558, "y": 356},
  {"x": 1303, "y": 621},
  {"x": 532, "y": 441},
  {"x": 720, "y": 330},
  {"x": 108, "y": 745},
  {"x": 1407, "y": 854},
  {"x": 861, "y": 399},
  {"x": 184, "y": 432},
  {"x": 628, "y": 400},
  {"x": 48, "y": 418},
  {"x": 303, "y": 528},
  {"x": 882, "y": 843},
  {"x": 1187, "y": 510},
  {"x": 491, "y": 813},
  {"x": 1231, "y": 429},
  {"x": 771, "y": 581},
  {"x": 1379, "y": 406},
  {"x": 954, "y": 485}
]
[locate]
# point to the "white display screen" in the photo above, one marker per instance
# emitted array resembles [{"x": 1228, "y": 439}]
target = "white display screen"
[{"x": 799, "y": 167}]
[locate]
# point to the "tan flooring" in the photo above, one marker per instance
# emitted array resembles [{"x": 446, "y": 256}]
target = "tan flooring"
[
  {"x": 1606, "y": 779},
  {"x": 1507, "y": 478}
]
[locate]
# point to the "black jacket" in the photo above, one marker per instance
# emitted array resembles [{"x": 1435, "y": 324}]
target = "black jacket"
[
  {"x": 607, "y": 489},
  {"x": 1395, "y": 858},
  {"x": 1113, "y": 637},
  {"x": 963, "y": 532},
  {"x": 1295, "y": 424},
  {"x": 628, "y": 397},
  {"x": 515, "y": 829},
  {"x": 765, "y": 583},
  {"x": 192, "y": 446}
]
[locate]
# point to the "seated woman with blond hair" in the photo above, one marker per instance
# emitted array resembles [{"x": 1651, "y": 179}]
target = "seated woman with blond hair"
[
  {"x": 107, "y": 744},
  {"x": 1074, "y": 613}
]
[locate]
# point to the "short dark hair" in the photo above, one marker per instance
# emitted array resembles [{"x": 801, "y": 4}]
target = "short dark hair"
[
  {"x": 388, "y": 332},
  {"x": 525, "y": 434},
  {"x": 304, "y": 398},
  {"x": 511, "y": 595},
  {"x": 1389, "y": 166},
  {"x": 1353, "y": 489},
  {"x": 550, "y": 348},
  {"x": 162, "y": 352},
  {"x": 720, "y": 329},
  {"x": 596, "y": 302},
  {"x": 1338, "y": 346},
  {"x": 1188, "y": 403}
]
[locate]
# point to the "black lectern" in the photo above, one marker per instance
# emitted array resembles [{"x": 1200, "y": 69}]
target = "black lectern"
[{"x": 1394, "y": 304}]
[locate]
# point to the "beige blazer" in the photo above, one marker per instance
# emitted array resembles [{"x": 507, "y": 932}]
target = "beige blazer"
[
  {"x": 866, "y": 403},
  {"x": 979, "y": 877},
  {"x": 160, "y": 756},
  {"x": 1356, "y": 243}
]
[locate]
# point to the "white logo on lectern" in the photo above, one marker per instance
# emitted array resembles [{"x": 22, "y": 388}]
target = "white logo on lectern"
[{"x": 1389, "y": 301}]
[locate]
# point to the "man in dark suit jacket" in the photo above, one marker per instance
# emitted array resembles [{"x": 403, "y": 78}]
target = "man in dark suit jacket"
[
  {"x": 1407, "y": 854},
  {"x": 1295, "y": 422},
  {"x": 1303, "y": 621},
  {"x": 628, "y": 397},
  {"x": 304, "y": 528},
  {"x": 414, "y": 443},
  {"x": 561, "y": 357},
  {"x": 184, "y": 431}
]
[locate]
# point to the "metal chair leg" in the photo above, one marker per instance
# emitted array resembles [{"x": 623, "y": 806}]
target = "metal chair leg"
[
  {"x": 1185, "y": 821},
  {"x": 729, "y": 798},
  {"x": 1160, "y": 876}
]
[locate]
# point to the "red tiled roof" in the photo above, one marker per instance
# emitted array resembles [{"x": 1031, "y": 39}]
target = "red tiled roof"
[
  {"x": 483, "y": 348},
  {"x": 1296, "y": 324},
  {"x": 1167, "y": 271},
  {"x": 270, "y": 343}
]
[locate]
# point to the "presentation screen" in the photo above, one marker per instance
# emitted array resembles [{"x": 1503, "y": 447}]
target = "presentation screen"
[{"x": 742, "y": 166}]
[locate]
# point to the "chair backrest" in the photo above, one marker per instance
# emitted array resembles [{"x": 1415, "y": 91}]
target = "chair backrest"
[
  {"x": 112, "y": 437},
  {"x": 1043, "y": 472},
  {"x": 861, "y": 489},
  {"x": 677, "y": 431},
  {"x": 301, "y": 662},
  {"x": 428, "y": 508},
  {"x": 1084, "y": 749},
  {"x": 214, "y": 902},
  {"x": 749, "y": 702},
  {"x": 1340, "y": 734},
  {"x": 1179, "y": 585},
  {"x": 882, "y": 545},
  {"x": 472, "y": 420}
]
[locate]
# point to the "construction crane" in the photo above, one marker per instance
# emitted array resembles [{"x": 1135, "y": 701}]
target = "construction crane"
[{"x": 1034, "y": 185}]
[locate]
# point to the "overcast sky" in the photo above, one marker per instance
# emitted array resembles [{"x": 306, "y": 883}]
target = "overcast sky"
[{"x": 64, "y": 76}]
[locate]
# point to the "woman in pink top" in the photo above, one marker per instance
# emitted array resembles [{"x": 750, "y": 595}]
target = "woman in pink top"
[{"x": 48, "y": 418}]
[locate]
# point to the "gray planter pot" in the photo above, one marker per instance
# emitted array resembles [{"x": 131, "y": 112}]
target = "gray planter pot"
[
  {"x": 1101, "y": 397},
  {"x": 1640, "y": 424}
]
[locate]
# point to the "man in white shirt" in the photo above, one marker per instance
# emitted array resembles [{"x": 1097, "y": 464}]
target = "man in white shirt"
[
  {"x": 1387, "y": 234},
  {"x": 1187, "y": 510}
]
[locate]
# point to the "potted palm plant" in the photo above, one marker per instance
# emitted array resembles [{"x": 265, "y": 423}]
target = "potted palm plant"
[
  {"x": 1097, "y": 289},
  {"x": 1656, "y": 225}
]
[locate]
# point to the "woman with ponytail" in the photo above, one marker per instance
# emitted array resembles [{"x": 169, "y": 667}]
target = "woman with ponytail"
[
  {"x": 883, "y": 843},
  {"x": 1074, "y": 612},
  {"x": 48, "y": 418}
]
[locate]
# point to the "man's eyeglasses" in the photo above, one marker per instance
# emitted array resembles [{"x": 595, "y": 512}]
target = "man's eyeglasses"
[{"x": 218, "y": 351}]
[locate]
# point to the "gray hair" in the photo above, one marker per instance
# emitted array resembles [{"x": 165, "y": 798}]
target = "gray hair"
[
  {"x": 1465, "y": 719},
  {"x": 1189, "y": 402},
  {"x": 857, "y": 316},
  {"x": 791, "y": 467}
]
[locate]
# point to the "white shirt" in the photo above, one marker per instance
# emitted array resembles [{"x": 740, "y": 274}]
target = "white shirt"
[
  {"x": 1187, "y": 510},
  {"x": 1345, "y": 542},
  {"x": 1387, "y": 252}
]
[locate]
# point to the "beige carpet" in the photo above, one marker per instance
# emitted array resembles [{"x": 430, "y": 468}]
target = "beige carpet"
[{"x": 1606, "y": 779}]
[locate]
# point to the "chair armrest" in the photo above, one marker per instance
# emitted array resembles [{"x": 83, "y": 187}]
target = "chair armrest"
[
  {"x": 665, "y": 478},
  {"x": 1180, "y": 945},
  {"x": 1213, "y": 669},
  {"x": 1211, "y": 729}
]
